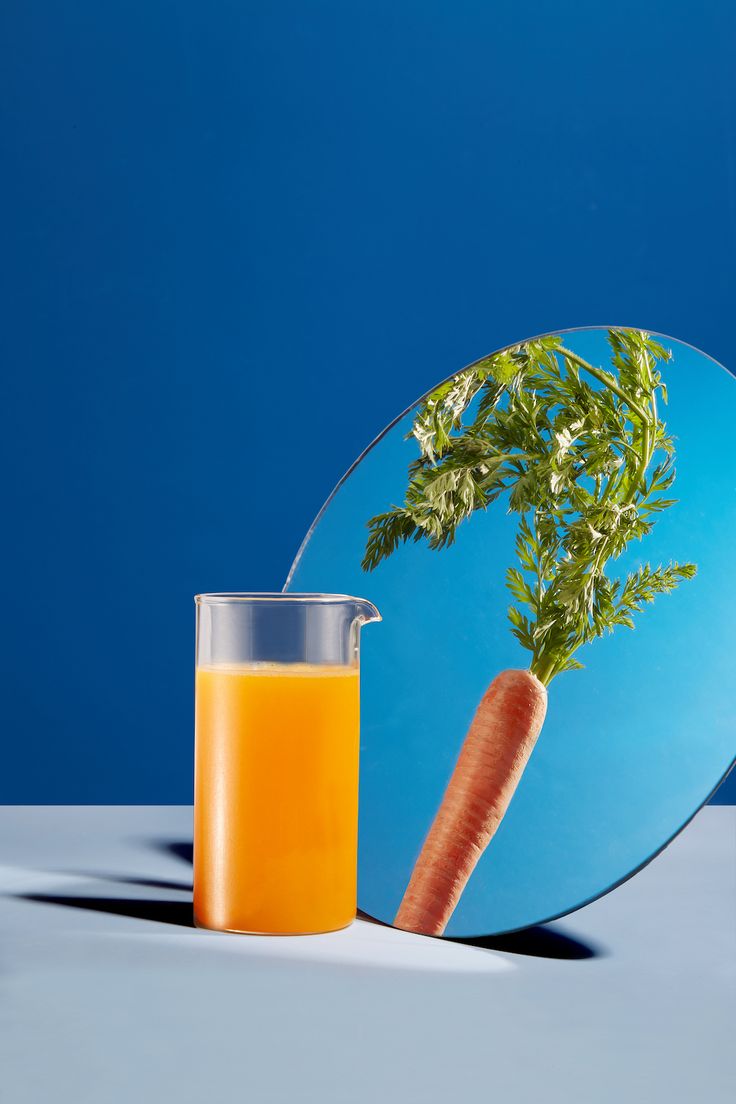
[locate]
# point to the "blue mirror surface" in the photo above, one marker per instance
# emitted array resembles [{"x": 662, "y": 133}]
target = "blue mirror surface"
[{"x": 632, "y": 745}]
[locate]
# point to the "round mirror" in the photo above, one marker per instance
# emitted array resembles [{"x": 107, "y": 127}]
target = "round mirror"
[{"x": 548, "y": 535}]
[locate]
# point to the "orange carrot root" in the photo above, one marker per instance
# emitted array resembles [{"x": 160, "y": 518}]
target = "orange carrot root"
[{"x": 494, "y": 754}]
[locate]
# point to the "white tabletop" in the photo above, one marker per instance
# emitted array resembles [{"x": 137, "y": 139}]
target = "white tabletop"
[{"x": 107, "y": 994}]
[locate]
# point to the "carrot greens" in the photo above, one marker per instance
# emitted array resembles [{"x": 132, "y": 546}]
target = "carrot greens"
[{"x": 584, "y": 460}]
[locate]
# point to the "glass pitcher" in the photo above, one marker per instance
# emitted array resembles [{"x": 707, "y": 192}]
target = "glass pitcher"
[{"x": 277, "y": 719}]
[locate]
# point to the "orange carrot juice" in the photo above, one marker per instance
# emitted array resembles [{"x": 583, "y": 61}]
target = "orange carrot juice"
[{"x": 276, "y": 797}]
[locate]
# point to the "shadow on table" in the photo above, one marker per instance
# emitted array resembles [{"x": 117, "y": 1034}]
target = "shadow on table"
[
  {"x": 179, "y": 849},
  {"x": 537, "y": 942},
  {"x": 153, "y": 883},
  {"x": 163, "y": 912},
  {"x": 123, "y": 879},
  {"x": 178, "y": 913}
]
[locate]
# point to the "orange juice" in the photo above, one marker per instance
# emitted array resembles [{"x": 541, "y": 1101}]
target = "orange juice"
[{"x": 276, "y": 797}]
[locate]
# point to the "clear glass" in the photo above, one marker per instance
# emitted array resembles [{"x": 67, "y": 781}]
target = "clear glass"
[{"x": 277, "y": 724}]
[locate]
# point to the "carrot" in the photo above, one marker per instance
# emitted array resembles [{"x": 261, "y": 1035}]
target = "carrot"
[{"x": 494, "y": 754}]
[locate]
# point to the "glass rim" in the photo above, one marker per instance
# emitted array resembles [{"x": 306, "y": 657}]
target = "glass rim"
[{"x": 225, "y": 597}]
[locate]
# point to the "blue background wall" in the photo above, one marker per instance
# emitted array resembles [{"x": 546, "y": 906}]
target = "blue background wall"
[{"x": 239, "y": 238}]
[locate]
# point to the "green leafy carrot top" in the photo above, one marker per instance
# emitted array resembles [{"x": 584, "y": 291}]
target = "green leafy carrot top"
[{"x": 585, "y": 461}]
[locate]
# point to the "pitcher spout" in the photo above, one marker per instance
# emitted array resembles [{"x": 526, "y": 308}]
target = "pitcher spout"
[{"x": 365, "y": 611}]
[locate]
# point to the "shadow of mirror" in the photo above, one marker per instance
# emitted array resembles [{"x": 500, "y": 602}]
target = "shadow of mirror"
[{"x": 537, "y": 942}]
